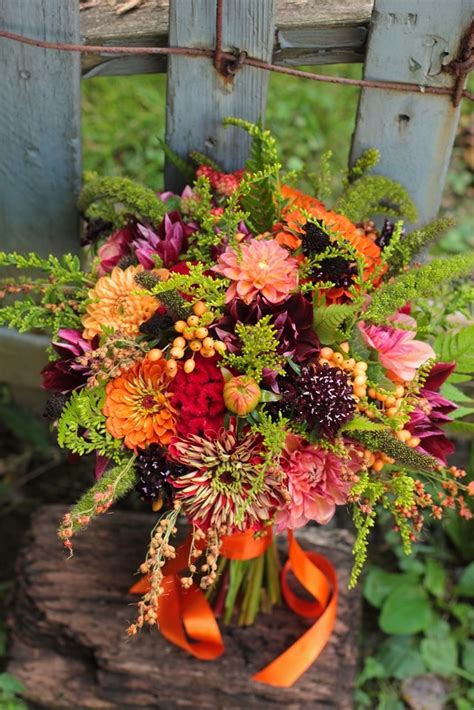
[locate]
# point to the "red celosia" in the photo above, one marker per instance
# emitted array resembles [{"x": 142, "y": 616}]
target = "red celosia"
[{"x": 198, "y": 397}]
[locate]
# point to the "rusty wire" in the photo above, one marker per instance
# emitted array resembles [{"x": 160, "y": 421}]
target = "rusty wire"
[{"x": 228, "y": 63}]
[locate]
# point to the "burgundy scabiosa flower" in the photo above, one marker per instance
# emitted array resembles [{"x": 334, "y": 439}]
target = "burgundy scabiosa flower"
[
  {"x": 292, "y": 320},
  {"x": 321, "y": 398},
  {"x": 155, "y": 473},
  {"x": 431, "y": 413},
  {"x": 66, "y": 374}
]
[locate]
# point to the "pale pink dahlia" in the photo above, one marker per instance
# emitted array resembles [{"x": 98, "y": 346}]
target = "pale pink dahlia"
[
  {"x": 260, "y": 266},
  {"x": 398, "y": 350},
  {"x": 317, "y": 481}
]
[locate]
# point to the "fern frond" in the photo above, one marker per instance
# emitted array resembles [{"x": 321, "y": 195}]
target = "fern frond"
[
  {"x": 261, "y": 200},
  {"x": 330, "y": 322},
  {"x": 184, "y": 168}
]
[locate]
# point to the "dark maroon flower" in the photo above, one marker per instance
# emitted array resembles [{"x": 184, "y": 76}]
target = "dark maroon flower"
[
  {"x": 65, "y": 374},
  {"x": 431, "y": 413},
  {"x": 169, "y": 241},
  {"x": 292, "y": 319},
  {"x": 116, "y": 247}
]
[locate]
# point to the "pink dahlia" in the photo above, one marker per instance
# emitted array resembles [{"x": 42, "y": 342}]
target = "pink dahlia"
[
  {"x": 317, "y": 481},
  {"x": 260, "y": 266},
  {"x": 398, "y": 350}
]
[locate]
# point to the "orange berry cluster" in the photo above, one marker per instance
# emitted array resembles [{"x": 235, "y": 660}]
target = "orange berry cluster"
[
  {"x": 356, "y": 370},
  {"x": 193, "y": 335}
]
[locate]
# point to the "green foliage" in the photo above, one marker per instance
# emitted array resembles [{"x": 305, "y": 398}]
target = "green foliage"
[
  {"x": 196, "y": 284},
  {"x": 273, "y": 433},
  {"x": 10, "y": 689},
  {"x": 457, "y": 346},
  {"x": 261, "y": 200},
  {"x": 114, "y": 484},
  {"x": 116, "y": 198},
  {"x": 415, "y": 284},
  {"x": 321, "y": 180},
  {"x": 202, "y": 242},
  {"x": 361, "y": 423},
  {"x": 413, "y": 244},
  {"x": 390, "y": 445},
  {"x": 184, "y": 168},
  {"x": 199, "y": 158},
  {"x": 405, "y": 611},
  {"x": 259, "y": 346},
  {"x": 332, "y": 323},
  {"x": 81, "y": 427},
  {"x": 374, "y": 194},
  {"x": 366, "y": 162},
  {"x": 371, "y": 492},
  {"x": 48, "y": 302}
]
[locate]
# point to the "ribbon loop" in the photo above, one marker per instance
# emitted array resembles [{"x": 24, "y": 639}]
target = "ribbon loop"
[{"x": 186, "y": 619}]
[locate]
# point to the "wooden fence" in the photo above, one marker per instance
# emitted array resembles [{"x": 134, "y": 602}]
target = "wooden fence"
[{"x": 408, "y": 41}]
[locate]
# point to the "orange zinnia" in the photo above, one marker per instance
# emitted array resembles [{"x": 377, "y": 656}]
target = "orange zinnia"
[
  {"x": 294, "y": 221},
  {"x": 115, "y": 305},
  {"x": 138, "y": 406}
]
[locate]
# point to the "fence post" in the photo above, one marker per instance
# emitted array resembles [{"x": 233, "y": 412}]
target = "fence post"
[
  {"x": 411, "y": 42},
  {"x": 39, "y": 128},
  {"x": 199, "y": 97},
  {"x": 39, "y": 157}
]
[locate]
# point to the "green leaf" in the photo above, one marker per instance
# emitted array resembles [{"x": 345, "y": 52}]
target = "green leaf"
[
  {"x": 438, "y": 629},
  {"x": 460, "y": 427},
  {"x": 361, "y": 423},
  {"x": 406, "y": 610},
  {"x": 400, "y": 658},
  {"x": 435, "y": 578},
  {"x": 9, "y": 685},
  {"x": 378, "y": 584},
  {"x": 329, "y": 321},
  {"x": 373, "y": 668},
  {"x": 465, "y": 586},
  {"x": 454, "y": 393},
  {"x": 459, "y": 347},
  {"x": 468, "y": 656},
  {"x": 184, "y": 168},
  {"x": 439, "y": 657}
]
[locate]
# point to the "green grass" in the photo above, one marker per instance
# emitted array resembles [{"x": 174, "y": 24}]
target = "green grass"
[{"x": 124, "y": 116}]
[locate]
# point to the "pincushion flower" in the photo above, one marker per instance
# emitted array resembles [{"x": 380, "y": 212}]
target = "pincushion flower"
[
  {"x": 398, "y": 350},
  {"x": 317, "y": 481},
  {"x": 115, "y": 303},
  {"x": 138, "y": 406},
  {"x": 224, "y": 487},
  {"x": 260, "y": 267}
]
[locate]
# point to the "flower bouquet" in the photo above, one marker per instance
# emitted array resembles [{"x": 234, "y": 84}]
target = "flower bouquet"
[{"x": 248, "y": 359}]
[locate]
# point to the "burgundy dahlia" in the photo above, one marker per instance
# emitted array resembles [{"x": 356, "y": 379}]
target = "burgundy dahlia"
[
  {"x": 431, "y": 413},
  {"x": 65, "y": 374},
  {"x": 292, "y": 320}
]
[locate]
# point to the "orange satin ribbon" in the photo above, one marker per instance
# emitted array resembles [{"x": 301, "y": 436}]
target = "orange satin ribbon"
[{"x": 186, "y": 619}]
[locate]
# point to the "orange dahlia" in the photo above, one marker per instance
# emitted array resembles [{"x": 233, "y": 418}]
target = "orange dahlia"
[
  {"x": 114, "y": 304},
  {"x": 138, "y": 406}
]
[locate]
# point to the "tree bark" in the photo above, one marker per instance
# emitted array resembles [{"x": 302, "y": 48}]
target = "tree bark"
[{"x": 70, "y": 649}]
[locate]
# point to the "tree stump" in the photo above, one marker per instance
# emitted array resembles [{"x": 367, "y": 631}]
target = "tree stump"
[{"x": 70, "y": 649}]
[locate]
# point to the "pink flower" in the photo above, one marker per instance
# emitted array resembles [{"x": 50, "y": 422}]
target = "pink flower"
[
  {"x": 398, "y": 350},
  {"x": 317, "y": 481},
  {"x": 260, "y": 266},
  {"x": 114, "y": 249}
]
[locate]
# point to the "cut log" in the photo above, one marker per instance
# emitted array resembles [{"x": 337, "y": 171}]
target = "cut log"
[{"x": 70, "y": 649}]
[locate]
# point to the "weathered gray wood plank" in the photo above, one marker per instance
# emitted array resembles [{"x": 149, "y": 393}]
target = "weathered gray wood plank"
[
  {"x": 307, "y": 32},
  {"x": 199, "y": 97},
  {"x": 39, "y": 129},
  {"x": 412, "y": 42}
]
